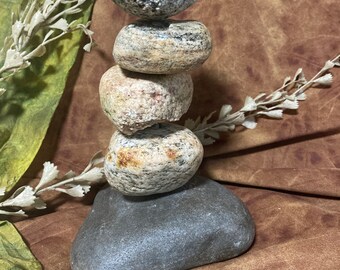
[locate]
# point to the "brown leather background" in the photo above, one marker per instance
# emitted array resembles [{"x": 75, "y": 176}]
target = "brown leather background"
[{"x": 286, "y": 171}]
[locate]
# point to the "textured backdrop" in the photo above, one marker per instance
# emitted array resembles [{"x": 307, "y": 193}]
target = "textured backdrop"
[{"x": 286, "y": 171}]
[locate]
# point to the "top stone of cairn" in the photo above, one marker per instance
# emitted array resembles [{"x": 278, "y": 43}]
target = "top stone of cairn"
[{"x": 154, "y": 9}]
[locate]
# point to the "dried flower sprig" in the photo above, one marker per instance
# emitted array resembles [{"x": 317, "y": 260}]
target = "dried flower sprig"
[
  {"x": 51, "y": 15},
  {"x": 71, "y": 184},
  {"x": 271, "y": 105}
]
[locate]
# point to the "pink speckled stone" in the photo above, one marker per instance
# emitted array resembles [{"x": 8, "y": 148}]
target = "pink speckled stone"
[{"x": 135, "y": 101}]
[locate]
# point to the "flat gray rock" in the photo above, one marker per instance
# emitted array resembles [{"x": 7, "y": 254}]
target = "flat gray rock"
[
  {"x": 198, "y": 224},
  {"x": 162, "y": 47},
  {"x": 154, "y": 9}
]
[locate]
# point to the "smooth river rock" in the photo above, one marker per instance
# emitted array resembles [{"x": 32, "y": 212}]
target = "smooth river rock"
[
  {"x": 200, "y": 223},
  {"x": 155, "y": 160},
  {"x": 135, "y": 101},
  {"x": 162, "y": 47},
  {"x": 154, "y": 9}
]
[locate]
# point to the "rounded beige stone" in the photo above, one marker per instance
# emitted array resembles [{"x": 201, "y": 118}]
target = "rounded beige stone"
[
  {"x": 158, "y": 159},
  {"x": 162, "y": 47},
  {"x": 135, "y": 101}
]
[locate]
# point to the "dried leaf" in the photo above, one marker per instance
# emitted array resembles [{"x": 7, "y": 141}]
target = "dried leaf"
[
  {"x": 25, "y": 198},
  {"x": 250, "y": 122},
  {"x": 93, "y": 175},
  {"x": 204, "y": 122},
  {"x": 197, "y": 121},
  {"x": 259, "y": 96},
  {"x": 204, "y": 140},
  {"x": 278, "y": 114},
  {"x": 193, "y": 124},
  {"x": 225, "y": 110},
  {"x": 36, "y": 93},
  {"x": 207, "y": 118},
  {"x": 39, "y": 204},
  {"x": 213, "y": 134},
  {"x": 50, "y": 173},
  {"x": 301, "y": 97},
  {"x": 87, "y": 47},
  {"x": 13, "y": 59},
  {"x": 68, "y": 175},
  {"x": 224, "y": 128},
  {"x": 17, "y": 29},
  {"x": 328, "y": 65},
  {"x": 289, "y": 104},
  {"x": 337, "y": 61},
  {"x": 37, "y": 52},
  {"x": 61, "y": 24},
  {"x": 14, "y": 254},
  {"x": 73, "y": 11},
  {"x": 189, "y": 124},
  {"x": 98, "y": 158},
  {"x": 276, "y": 95},
  {"x": 36, "y": 20},
  {"x": 207, "y": 141},
  {"x": 95, "y": 160},
  {"x": 86, "y": 188},
  {"x": 76, "y": 191},
  {"x": 286, "y": 81},
  {"x": 249, "y": 105},
  {"x": 19, "y": 213},
  {"x": 239, "y": 119},
  {"x": 2, "y": 191},
  {"x": 325, "y": 80},
  {"x": 300, "y": 76}
]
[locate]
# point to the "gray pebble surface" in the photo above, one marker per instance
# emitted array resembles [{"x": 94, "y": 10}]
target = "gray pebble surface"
[
  {"x": 198, "y": 224},
  {"x": 154, "y": 9}
]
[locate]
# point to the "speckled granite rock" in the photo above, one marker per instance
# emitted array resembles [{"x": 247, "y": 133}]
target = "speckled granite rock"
[
  {"x": 134, "y": 101},
  {"x": 200, "y": 223},
  {"x": 162, "y": 47},
  {"x": 154, "y": 9},
  {"x": 154, "y": 160}
]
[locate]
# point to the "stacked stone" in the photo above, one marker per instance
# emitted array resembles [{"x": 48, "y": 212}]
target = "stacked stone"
[
  {"x": 196, "y": 224},
  {"x": 149, "y": 88}
]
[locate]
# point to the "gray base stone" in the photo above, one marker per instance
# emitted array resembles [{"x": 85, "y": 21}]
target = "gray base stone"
[{"x": 198, "y": 224}]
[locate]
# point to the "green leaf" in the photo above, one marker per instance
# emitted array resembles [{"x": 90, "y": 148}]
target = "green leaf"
[
  {"x": 14, "y": 254},
  {"x": 26, "y": 108}
]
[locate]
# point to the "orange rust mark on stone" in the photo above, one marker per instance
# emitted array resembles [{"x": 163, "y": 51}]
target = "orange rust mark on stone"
[
  {"x": 109, "y": 157},
  {"x": 171, "y": 154},
  {"x": 127, "y": 157}
]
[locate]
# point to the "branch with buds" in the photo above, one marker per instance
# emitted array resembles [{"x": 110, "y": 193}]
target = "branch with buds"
[
  {"x": 272, "y": 105},
  {"x": 71, "y": 184},
  {"x": 51, "y": 15}
]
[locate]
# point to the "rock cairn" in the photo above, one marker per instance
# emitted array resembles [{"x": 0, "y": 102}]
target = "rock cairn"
[
  {"x": 149, "y": 88},
  {"x": 195, "y": 223}
]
